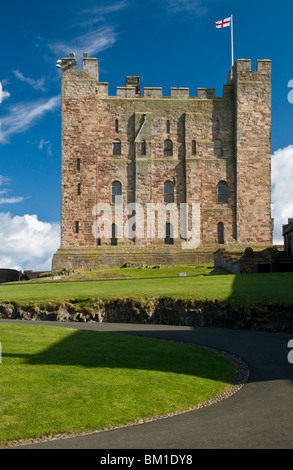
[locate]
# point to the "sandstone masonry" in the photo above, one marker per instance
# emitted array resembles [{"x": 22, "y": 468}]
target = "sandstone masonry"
[{"x": 210, "y": 154}]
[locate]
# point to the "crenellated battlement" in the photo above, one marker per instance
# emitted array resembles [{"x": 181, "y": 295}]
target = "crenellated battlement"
[
  {"x": 90, "y": 71},
  {"x": 242, "y": 70},
  {"x": 90, "y": 68}
]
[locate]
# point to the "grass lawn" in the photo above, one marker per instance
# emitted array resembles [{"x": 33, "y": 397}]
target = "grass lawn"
[
  {"x": 55, "y": 380},
  {"x": 130, "y": 273},
  {"x": 244, "y": 288}
]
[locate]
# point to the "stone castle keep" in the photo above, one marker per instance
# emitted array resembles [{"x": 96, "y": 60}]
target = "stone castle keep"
[{"x": 210, "y": 155}]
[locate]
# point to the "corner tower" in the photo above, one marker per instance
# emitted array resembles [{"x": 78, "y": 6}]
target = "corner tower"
[
  {"x": 79, "y": 140},
  {"x": 252, "y": 98}
]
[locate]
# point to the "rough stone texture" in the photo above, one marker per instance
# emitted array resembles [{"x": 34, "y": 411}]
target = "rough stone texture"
[
  {"x": 113, "y": 256},
  {"x": 253, "y": 150},
  {"x": 241, "y": 120},
  {"x": 164, "y": 311}
]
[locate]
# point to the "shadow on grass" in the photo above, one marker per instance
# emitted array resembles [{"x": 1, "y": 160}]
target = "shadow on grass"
[
  {"x": 265, "y": 288},
  {"x": 90, "y": 349}
]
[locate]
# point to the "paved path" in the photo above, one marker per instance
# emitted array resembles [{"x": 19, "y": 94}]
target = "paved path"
[{"x": 259, "y": 416}]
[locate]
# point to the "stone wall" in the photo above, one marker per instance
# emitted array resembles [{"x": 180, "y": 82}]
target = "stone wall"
[
  {"x": 227, "y": 261},
  {"x": 114, "y": 257},
  {"x": 253, "y": 150},
  {"x": 163, "y": 311},
  {"x": 92, "y": 121}
]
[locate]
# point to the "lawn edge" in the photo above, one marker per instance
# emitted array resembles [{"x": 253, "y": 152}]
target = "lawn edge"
[{"x": 241, "y": 377}]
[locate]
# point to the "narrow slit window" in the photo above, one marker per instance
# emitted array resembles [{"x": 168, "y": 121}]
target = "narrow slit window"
[
  {"x": 168, "y": 127},
  {"x": 143, "y": 147},
  {"x": 169, "y": 240},
  {"x": 220, "y": 233},
  {"x": 78, "y": 189},
  {"x": 78, "y": 164},
  {"x": 117, "y": 147},
  {"x": 222, "y": 192},
  {"x": 217, "y": 127},
  {"x": 218, "y": 147},
  {"x": 114, "y": 235},
  {"x": 168, "y": 192},
  {"x": 116, "y": 126},
  {"x": 76, "y": 227},
  {"x": 193, "y": 147}
]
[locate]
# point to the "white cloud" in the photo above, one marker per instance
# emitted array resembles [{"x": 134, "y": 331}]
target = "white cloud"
[
  {"x": 46, "y": 143},
  {"x": 4, "y": 180},
  {"x": 24, "y": 115},
  {"x": 190, "y": 6},
  {"x": 106, "y": 9},
  {"x": 3, "y": 94},
  {"x": 92, "y": 43},
  {"x": 282, "y": 190},
  {"x": 27, "y": 243},
  {"x": 10, "y": 200},
  {"x": 36, "y": 84},
  {"x": 4, "y": 190}
]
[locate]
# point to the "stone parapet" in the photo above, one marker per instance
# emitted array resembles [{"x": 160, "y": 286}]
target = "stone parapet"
[{"x": 153, "y": 92}]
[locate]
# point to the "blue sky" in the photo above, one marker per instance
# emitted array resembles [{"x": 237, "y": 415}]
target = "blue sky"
[{"x": 169, "y": 43}]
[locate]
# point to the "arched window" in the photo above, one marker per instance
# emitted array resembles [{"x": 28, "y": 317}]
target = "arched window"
[
  {"x": 114, "y": 235},
  {"x": 222, "y": 192},
  {"x": 168, "y": 127},
  {"x": 117, "y": 147},
  {"x": 193, "y": 147},
  {"x": 220, "y": 233},
  {"x": 143, "y": 147},
  {"x": 168, "y": 148},
  {"x": 168, "y": 192},
  {"x": 116, "y": 126},
  {"x": 218, "y": 148},
  {"x": 169, "y": 240},
  {"x": 116, "y": 193}
]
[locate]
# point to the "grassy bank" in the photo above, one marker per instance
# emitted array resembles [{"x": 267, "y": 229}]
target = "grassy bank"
[
  {"x": 127, "y": 273},
  {"x": 249, "y": 289},
  {"x": 55, "y": 380}
]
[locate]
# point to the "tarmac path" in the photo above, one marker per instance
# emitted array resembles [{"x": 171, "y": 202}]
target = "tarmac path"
[{"x": 259, "y": 416}]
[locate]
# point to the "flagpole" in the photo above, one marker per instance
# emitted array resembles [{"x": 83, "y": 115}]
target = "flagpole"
[{"x": 232, "y": 45}]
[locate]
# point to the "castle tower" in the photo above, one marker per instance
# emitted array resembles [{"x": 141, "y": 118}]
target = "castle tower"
[
  {"x": 252, "y": 96},
  {"x": 79, "y": 147},
  {"x": 209, "y": 154}
]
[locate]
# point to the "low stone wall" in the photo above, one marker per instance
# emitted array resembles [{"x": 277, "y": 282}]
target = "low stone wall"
[
  {"x": 106, "y": 257},
  {"x": 163, "y": 311},
  {"x": 227, "y": 261}
]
